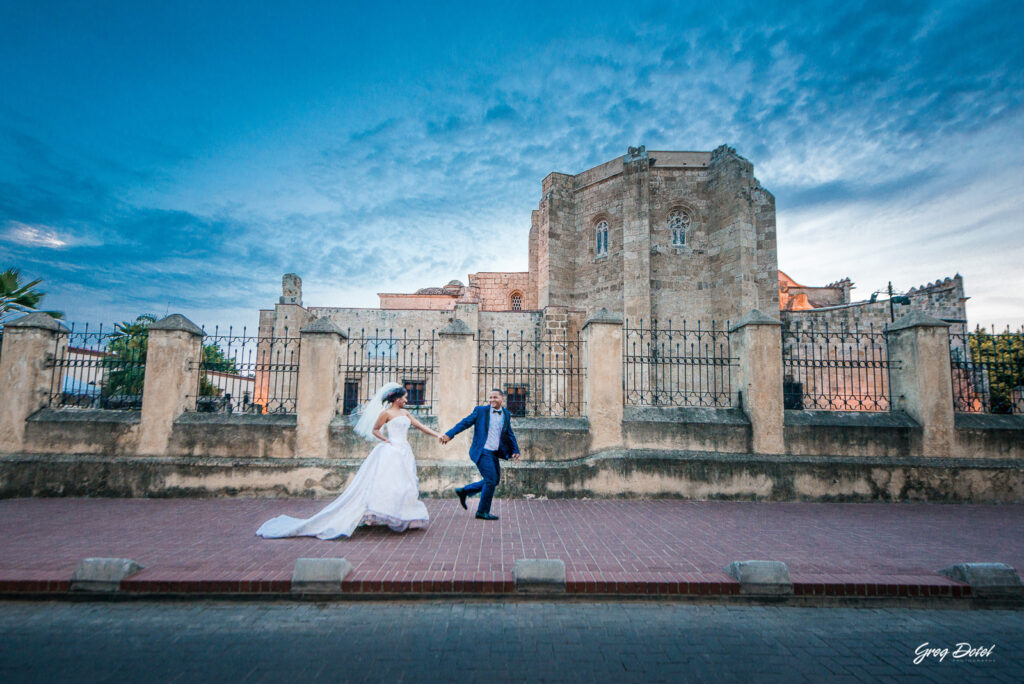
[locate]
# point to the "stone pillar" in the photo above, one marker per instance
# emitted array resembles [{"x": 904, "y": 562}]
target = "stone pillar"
[
  {"x": 320, "y": 349},
  {"x": 173, "y": 353},
  {"x": 456, "y": 378},
  {"x": 636, "y": 236},
  {"x": 756, "y": 341},
  {"x": 602, "y": 386},
  {"x": 920, "y": 380},
  {"x": 30, "y": 342}
]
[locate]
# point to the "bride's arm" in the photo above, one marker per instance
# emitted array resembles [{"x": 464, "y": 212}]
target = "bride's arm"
[
  {"x": 420, "y": 426},
  {"x": 381, "y": 419}
]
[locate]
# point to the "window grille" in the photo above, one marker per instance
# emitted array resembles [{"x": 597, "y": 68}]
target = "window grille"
[
  {"x": 515, "y": 399},
  {"x": 679, "y": 223},
  {"x": 351, "y": 397},
  {"x": 415, "y": 392},
  {"x": 602, "y": 238}
]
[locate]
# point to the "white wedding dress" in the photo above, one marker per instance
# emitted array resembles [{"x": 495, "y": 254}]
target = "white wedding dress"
[{"x": 384, "y": 491}]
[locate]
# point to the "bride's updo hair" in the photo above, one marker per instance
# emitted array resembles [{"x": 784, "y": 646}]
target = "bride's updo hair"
[{"x": 393, "y": 394}]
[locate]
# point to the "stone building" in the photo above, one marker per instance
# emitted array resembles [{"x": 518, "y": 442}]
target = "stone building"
[{"x": 666, "y": 236}]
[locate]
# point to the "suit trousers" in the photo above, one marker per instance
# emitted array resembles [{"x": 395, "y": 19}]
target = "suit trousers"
[{"x": 490, "y": 469}]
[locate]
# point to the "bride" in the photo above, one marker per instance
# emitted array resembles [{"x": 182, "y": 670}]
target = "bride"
[{"x": 384, "y": 490}]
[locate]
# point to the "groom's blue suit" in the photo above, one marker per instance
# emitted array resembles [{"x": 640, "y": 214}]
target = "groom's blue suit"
[{"x": 486, "y": 461}]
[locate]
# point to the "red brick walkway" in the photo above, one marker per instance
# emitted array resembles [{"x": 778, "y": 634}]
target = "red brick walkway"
[{"x": 661, "y": 546}]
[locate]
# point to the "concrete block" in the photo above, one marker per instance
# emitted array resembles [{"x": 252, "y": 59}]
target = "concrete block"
[
  {"x": 986, "y": 579},
  {"x": 312, "y": 575},
  {"x": 102, "y": 574},
  {"x": 539, "y": 575},
  {"x": 761, "y": 577}
]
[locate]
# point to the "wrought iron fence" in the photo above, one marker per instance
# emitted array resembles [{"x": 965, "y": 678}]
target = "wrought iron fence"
[
  {"x": 988, "y": 371},
  {"x": 242, "y": 373},
  {"x": 835, "y": 369},
  {"x": 97, "y": 368},
  {"x": 540, "y": 375},
  {"x": 676, "y": 366},
  {"x": 379, "y": 356}
]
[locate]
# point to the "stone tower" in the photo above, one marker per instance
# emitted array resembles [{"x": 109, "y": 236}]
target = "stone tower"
[{"x": 665, "y": 235}]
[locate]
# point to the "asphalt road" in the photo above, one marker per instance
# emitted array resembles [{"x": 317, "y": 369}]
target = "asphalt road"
[{"x": 465, "y": 641}]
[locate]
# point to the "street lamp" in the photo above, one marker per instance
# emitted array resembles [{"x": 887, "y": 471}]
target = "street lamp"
[{"x": 894, "y": 298}]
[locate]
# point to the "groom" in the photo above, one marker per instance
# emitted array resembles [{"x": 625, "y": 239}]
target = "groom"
[{"x": 492, "y": 439}]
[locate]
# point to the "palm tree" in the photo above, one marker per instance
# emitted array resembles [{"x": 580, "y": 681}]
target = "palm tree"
[
  {"x": 126, "y": 357},
  {"x": 16, "y": 298}
]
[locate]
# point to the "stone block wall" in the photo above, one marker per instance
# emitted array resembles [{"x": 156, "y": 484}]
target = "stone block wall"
[
  {"x": 607, "y": 451},
  {"x": 493, "y": 291},
  {"x": 727, "y": 265}
]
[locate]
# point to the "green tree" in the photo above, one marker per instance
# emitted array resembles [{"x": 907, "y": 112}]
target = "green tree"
[
  {"x": 215, "y": 359},
  {"x": 1002, "y": 357},
  {"x": 126, "y": 360},
  {"x": 17, "y": 298}
]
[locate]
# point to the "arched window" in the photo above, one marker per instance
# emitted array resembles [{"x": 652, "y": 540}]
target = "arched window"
[
  {"x": 678, "y": 223},
  {"x": 601, "y": 234},
  {"x": 517, "y": 301}
]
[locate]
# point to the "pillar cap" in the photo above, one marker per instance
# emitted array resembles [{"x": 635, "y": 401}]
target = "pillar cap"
[
  {"x": 603, "y": 315},
  {"x": 39, "y": 320},
  {"x": 322, "y": 325},
  {"x": 456, "y": 327},
  {"x": 916, "y": 319},
  {"x": 755, "y": 317},
  {"x": 177, "y": 322}
]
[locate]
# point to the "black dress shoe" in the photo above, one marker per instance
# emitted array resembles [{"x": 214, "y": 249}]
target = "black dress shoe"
[
  {"x": 486, "y": 516},
  {"x": 462, "y": 497}
]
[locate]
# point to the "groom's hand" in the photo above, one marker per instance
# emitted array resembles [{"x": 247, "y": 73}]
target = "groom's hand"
[
  {"x": 445, "y": 439},
  {"x": 515, "y": 457}
]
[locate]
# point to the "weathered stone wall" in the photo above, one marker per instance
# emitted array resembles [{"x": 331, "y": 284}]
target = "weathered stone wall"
[
  {"x": 439, "y": 302},
  {"x": 83, "y": 431},
  {"x": 677, "y": 452},
  {"x": 943, "y": 300},
  {"x": 612, "y": 474},
  {"x": 494, "y": 291},
  {"x": 727, "y": 265},
  {"x": 741, "y": 239}
]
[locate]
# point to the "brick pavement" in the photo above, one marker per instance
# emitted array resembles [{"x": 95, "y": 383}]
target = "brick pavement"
[{"x": 634, "y": 547}]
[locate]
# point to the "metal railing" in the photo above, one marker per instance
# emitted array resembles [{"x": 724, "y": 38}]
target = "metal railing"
[
  {"x": 97, "y": 368},
  {"x": 835, "y": 369},
  {"x": 242, "y": 373},
  {"x": 541, "y": 375},
  {"x": 676, "y": 366},
  {"x": 987, "y": 371},
  {"x": 379, "y": 356}
]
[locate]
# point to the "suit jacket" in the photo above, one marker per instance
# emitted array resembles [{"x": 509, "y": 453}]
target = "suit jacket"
[{"x": 480, "y": 419}]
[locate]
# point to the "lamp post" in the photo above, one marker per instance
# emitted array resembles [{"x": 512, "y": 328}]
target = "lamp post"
[{"x": 894, "y": 298}]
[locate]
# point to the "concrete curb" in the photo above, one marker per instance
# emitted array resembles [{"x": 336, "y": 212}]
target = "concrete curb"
[
  {"x": 987, "y": 580},
  {"x": 534, "y": 575},
  {"x": 319, "y": 575},
  {"x": 761, "y": 577},
  {"x": 102, "y": 574}
]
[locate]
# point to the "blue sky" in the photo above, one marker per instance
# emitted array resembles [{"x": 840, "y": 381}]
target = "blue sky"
[{"x": 182, "y": 156}]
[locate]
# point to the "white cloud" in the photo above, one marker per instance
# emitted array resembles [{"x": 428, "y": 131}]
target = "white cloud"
[{"x": 34, "y": 236}]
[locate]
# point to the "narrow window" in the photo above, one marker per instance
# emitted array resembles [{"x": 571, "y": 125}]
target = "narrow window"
[
  {"x": 515, "y": 397},
  {"x": 351, "y": 397},
  {"x": 415, "y": 392},
  {"x": 679, "y": 223},
  {"x": 602, "y": 238},
  {"x": 517, "y": 301}
]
